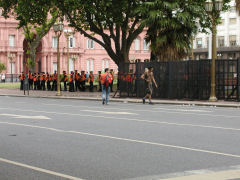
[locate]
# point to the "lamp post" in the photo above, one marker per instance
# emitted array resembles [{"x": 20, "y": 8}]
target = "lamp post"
[
  {"x": 11, "y": 56},
  {"x": 58, "y": 29},
  {"x": 68, "y": 33},
  {"x": 213, "y": 8}
]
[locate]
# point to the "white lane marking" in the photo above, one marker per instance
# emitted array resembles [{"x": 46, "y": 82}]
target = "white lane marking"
[
  {"x": 24, "y": 117},
  {"x": 109, "y": 112},
  {"x": 39, "y": 169},
  {"x": 124, "y": 139},
  {"x": 130, "y": 119},
  {"x": 182, "y": 110},
  {"x": 173, "y": 111}
]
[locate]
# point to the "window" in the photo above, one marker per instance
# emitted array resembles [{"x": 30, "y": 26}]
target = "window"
[
  {"x": 220, "y": 41},
  {"x": 199, "y": 42},
  {"x": 11, "y": 40},
  {"x": 137, "y": 44},
  {"x": 233, "y": 40},
  {"x": 11, "y": 67},
  {"x": 145, "y": 45},
  {"x": 71, "y": 65},
  {"x": 54, "y": 67},
  {"x": 71, "y": 42},
  {"x": 232, "y": 21},
  {"x": 233, "y": 9},
  {"x": 54, "y": 42},
  {"x": 105, "y": 64},
  {"x": 89, "y": 65},
  {"x": 90, "y": 44}
]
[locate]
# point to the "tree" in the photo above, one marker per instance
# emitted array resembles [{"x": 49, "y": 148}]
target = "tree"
[
  {"x": 34, "y": 18},
  {"x": 116, "y": 21},
  {"x": 2, "y": 67},
  {"x": 237, "y": 5},
  {"x": 171, "y": 30}
]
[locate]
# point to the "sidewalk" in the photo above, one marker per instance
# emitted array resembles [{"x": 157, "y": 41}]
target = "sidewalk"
[{"x": 97, "y": 97}]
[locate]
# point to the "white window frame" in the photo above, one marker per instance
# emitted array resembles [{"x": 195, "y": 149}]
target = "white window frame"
[
  {"x": 11, "y": 40},
  {"x": 105, "y": 64},
  {"x": 54, "y": 67},
  {"x": 145, "y": 45},
  {"x": 90, "y": 44},
  {"x": 71, "y": 45},
  {"x": 13, "y": 67},
  {"x": 137, "y": 44},
  {"x": 54, "y": 42},
  {"x": 71, "y": 65}
]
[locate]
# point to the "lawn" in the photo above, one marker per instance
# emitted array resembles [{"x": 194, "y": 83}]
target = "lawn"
[{"x": 10, "y": 85}]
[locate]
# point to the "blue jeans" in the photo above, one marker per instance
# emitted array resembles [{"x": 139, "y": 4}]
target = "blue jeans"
[{"x": 105, "y": 93}]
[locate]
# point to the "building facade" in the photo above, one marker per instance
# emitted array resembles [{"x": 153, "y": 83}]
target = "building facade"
[
  {"x": 84, "y": 54},
  {"x": 228, "y": 38}
]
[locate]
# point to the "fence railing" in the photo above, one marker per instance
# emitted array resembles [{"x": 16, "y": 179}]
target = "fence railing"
[{"x": 182, "y": 79}]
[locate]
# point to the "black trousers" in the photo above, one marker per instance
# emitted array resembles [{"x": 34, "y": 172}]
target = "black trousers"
[
  {"x": 48, "y": 85},
  {"x": 71, "y": 87},
  {"x": 91, "y": 86},
  {"x": 43, "y": 87},
  {"x": 65, "y": 85},
  {"x": 21, "y": 86}
]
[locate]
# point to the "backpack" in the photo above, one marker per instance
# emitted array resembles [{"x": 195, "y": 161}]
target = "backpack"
[{"x": 107, "y": 81}]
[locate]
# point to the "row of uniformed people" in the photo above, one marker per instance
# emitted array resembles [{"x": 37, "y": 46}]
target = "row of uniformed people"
[{"x": 76, "y": 81}]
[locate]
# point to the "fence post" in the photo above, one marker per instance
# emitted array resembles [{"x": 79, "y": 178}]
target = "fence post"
[{"x": 238, "y": 60}]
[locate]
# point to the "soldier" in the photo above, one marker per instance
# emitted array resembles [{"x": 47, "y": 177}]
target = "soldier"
[
  {"x": 91, "y": 80},
  {"x": 43, "y": 81},
  {"x": 22, "y": 78},
  {"x": 65, "y": 78}
]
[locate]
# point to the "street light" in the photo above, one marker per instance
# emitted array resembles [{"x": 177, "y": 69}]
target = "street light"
[
  {"x": 68, "y": 33},
  {"x": 58, "y": 29},
  {"x": 213, "y": 8},
  {"x": 11, "y": 56}
]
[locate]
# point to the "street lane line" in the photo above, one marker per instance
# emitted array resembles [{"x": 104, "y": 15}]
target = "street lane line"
[
  {"x": 173, "y": 111},
  {"x": 125, "y": 139},
  {"x": 24, "y": 117},
  {"x": 182, "y": 110},
  {"x": 110, "y": 112},
  {"x": 130, "y": 119},
  {"x": 39, "y": 169}
]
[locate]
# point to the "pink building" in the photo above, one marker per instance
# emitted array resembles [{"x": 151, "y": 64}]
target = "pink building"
[{"x": 84, "y": 54}]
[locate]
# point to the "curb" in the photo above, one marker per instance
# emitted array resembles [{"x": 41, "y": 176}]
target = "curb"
[{"x": 188, "y": 103}]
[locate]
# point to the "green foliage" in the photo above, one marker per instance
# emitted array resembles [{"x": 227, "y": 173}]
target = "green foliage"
[
  {"x": 2, "y": 67},
  {"x": 173, "y": 24}
]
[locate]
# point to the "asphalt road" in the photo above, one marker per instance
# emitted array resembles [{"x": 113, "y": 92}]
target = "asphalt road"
[{"x": 54, "y": 139}]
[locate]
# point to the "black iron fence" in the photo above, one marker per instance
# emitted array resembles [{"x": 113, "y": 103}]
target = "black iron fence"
[{"x": 182, "y": 79}]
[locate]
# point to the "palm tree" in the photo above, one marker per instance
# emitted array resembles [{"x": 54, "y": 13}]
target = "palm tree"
[{"x": 237, "y": 5}]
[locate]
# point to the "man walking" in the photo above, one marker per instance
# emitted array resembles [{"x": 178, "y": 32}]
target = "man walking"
[
  {"x": 106, "y": 80},
  {"x": 149, "y": 79}
]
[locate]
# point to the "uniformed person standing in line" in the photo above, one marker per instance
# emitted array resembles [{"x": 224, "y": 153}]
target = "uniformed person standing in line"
[
  {"x": 48, "y": 82},
  {"x": 44, "y": 81},
  {"x": 77, "y": 77},
  {"x": 99, "y": 81},
  {"x": 71, "y": 84},
  {"x": 35, "y": 81},
  {"x": 30, "y": 80},
  {"x": 22, "y": 78},
  {"x": 54, "y": 85},
  {"x": 65, "y": 78},
  {"x": 91, "y": 80},
  {"x": 111, "y": 85},
  {"x": 39, "y": 82},
  {"x": 83, "y": 80}
]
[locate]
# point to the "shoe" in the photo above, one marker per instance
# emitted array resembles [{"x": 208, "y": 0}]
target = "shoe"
[
  {"x": 150, "y": 103},
  {"x": 103, "y": 102},
  {"x": 143, "y": 101}
]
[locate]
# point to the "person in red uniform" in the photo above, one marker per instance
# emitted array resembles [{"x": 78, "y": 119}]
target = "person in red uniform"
[
  {"x": 91, "y": 80},
  {"x": 22, "y": 78}
]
